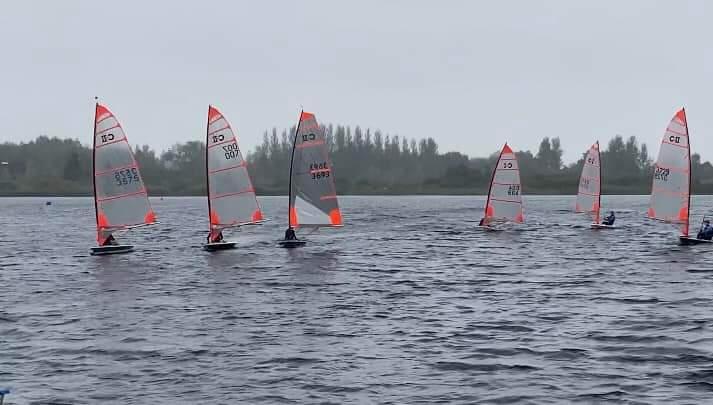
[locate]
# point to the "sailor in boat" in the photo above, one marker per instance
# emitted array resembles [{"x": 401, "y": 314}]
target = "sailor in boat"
[
  {"x": 110, "y": 241},
  {"x": 609, "y": 219},
  {"x": 482, "y": 222},
  {"x": 215, "y": 239},
  {"x": 290, "y": 234},
  {"x": 706, "y": 231}
]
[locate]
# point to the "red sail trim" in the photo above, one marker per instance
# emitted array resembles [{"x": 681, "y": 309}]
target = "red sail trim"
[
  {"x": 506, "y": 184},
  {"x": 669, "y": 129},
  {"x": 108, "y": 129},
  {"x": 116, "y": 197},
  {"x": 675, "y": 144},
  {"x": 218, "y": 130},
  {"x": 233, "y": 139},
  {"x": 335, "y": 216},
  {"x": 212, "y": 113},
  {"x": 310, "y": 143},
  {"x": 241, "y": 165},
  {"x": 506, "y": 149},
  {"x": 257, "y": 215},
  {"x": 293, "y": 216},
  {"x": 217, "y": 196},
  {"x": 681, "y": 115},
  {"x": 502, "y": 200},
  {"x": 113, "y": 169},
  {"x": 306, "y": 116},
  {"x": 315, "y": 171},
  {"x": 589, "y": 194},
  {"x": 674, "y": 168},
  {"x": 150, "y": 217},
  {"x": 328, "y": 197}
]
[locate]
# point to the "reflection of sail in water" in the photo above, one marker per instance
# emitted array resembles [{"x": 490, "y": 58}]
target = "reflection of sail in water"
[
  {"x": 504, "y": 202},
  {"x": 231, "y": 196},
  {"x": 671, "y": 189},
  {"x": 120, "y": 197},
  {"x": 313, "y": 194},
  {"x": 589, "y": 193}
]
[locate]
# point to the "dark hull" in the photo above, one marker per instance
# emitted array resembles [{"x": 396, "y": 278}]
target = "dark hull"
[
  {"x": 688, "y": 240},
  {"x": 212, "y": 247},
  {"x": 111, "y": 250},
  {"x": 289, "y": 244}
]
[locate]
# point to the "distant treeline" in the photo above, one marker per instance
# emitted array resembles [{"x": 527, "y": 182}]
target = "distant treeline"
[{"x": 364, "y": 162}]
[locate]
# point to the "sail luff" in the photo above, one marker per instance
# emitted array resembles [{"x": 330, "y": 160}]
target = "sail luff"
[
  {"x": 207, "y": 174},
  {"x": 688, "y": 205},
  {"x": 292, "y": 162},
  {"x": 94, "y": 170},
  {"x": 597, "y": 216},
  {"x": 492, "y": 178}
]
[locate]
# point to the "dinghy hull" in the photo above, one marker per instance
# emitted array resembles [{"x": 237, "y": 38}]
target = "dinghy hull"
[
  {"x": 290, "y": 244},
  {"x": 601, "y": 226},
  {"x": 111, "y": 250},
  {"x": 212, "y": 247},
  {"x": 688, "y": 240}
]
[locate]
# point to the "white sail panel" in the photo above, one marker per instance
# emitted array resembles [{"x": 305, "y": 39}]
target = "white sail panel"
[
  {"x": 504, "y": 201},
  {"x": 313, "y": 194},
  {"x": 121, "y": 200},
  {"x": 670, "y": 191},
  {"x": 231, "y": 195},
  {"x": 589, "y": 192}
]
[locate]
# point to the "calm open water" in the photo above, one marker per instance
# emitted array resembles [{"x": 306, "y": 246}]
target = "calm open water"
[{"x": 408, "y": 303}]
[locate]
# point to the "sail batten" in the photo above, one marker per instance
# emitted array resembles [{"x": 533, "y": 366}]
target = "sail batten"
[
  {"x": 232, "y": 200},
  {"x": 671, "y": 185},
  {"x": 120, "y": 196},
  {"x": 504, "y": 202},
  {"x": 313, "y": 198}
]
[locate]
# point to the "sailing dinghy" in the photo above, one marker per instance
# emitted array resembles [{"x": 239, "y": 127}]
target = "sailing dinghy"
[
  {"x": 504, "y": 203},
  {"x": 589, "y": 195},
  {"x": 231, "y": 196},
  {"x": 671, "y": 188},
  {"x": 312, "y": 191},
  {"x": 120, "y": 198}
]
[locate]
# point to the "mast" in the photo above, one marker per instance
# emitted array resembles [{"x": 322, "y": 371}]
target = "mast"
[
  {"x": 292, "y": 160},
  {"x": 94, "y": 156},
  {"x": 688, "y": 141},
  {"x": 599, "y": 197},
  {"x": 207, "y": 177},
  {"x": 492, "y": 177}
]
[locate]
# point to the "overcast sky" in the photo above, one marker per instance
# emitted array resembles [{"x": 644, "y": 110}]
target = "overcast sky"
[{"x": 471, "y": 74}]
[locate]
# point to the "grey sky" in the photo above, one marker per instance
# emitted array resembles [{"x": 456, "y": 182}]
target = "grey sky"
[{"x": 471, "y": 74}]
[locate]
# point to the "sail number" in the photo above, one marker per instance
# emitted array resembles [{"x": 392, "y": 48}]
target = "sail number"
[
  {"x": 514, "y": 189},
  {"x": 126, "y": 176},
  {"x": 218, "y": 138},
  {"x": 231, "y": 151},
  {"x": 591, "y": 161},
  {"x": 308, "y": 137},
  {"x": 107, "y": 138},
  {"x": 584, "y": 183},
  {"x": 319, "y": 170},
  {"x": 661, "y": 174},
  {"x": 674, "y": 139},
  {"x": 507, "y": 165}
]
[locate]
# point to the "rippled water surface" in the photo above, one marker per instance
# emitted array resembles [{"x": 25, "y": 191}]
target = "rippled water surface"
[{"x": 407, "y": 303}]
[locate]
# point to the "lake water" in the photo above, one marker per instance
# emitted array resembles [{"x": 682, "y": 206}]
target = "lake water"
[{"x": 408, "y": 303}]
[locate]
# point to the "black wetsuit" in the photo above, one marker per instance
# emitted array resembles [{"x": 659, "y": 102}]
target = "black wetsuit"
[{"x": 290, "y": 234}]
